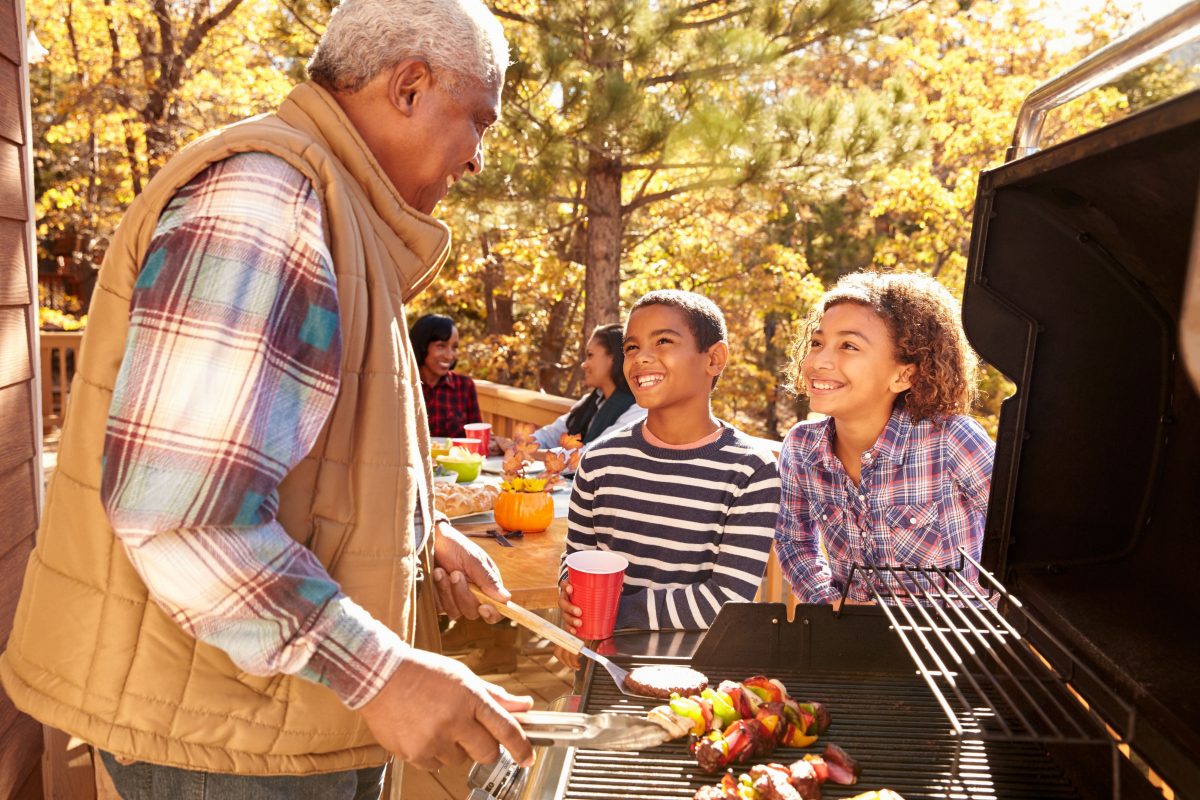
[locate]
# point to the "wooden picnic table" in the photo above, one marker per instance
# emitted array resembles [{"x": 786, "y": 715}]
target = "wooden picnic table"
[{"x": 530, "y": 566}]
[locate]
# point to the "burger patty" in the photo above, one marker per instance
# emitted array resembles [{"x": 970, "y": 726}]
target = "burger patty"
[{"x": 664, "y": 680}]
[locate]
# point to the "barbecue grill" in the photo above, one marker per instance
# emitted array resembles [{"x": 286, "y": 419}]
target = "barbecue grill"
[{"x": 1083, "y": 646}]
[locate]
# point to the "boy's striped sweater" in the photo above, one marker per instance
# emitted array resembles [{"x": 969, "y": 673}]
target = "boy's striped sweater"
[{"x": 696, "y": 525}]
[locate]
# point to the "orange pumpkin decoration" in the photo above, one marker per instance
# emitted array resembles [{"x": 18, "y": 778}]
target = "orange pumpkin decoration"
[{"x": 529, "y": 512}]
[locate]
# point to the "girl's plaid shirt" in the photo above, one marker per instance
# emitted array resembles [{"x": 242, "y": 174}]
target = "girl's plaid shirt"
[{"x": 923, "y": 493}]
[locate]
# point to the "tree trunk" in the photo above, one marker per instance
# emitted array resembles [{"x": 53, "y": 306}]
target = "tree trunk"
[
  {"x": 772, "y": 358},
  {"x": 497, "y": 299},
  {"x": 550, "y": 371},
  {"x": 605, "y": 226},
  {"x": 131, "y": 155}
]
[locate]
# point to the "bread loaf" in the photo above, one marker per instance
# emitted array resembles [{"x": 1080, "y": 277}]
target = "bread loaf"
[{"x": 454, "y": 500}]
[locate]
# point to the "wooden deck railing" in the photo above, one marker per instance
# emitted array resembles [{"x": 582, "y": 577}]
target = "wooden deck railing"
[
  {"x": 508, "y": 407},
  {"x": 59, "y": 353}
]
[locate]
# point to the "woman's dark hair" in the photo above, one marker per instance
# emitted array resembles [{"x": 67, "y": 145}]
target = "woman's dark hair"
[
  {"x": 430, "y": 328},
  {"x": 611, "y": 337}
]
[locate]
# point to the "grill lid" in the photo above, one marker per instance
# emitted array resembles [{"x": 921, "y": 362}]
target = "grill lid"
[{"x": 1075, "y": 290}]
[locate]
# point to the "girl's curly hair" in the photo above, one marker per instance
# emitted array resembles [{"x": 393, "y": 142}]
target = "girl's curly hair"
[{"x": 925, "y": 323}]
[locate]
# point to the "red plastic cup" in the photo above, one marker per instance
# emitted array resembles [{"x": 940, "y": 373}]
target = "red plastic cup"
[
  {"x": 481, "y": 431},
  {"x": 596, "y": 577},
  {"x": 470, "y": 445}
]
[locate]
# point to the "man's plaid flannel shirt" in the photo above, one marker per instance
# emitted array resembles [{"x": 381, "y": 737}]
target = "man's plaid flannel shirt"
[{"x": 231, "y": 368}]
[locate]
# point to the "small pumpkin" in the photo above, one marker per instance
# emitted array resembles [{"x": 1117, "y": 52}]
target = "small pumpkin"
[{"x": 529, "y": 512}]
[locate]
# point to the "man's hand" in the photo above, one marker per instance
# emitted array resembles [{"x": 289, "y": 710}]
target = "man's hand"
[
  {"x": 572, "y": 618},
  {"x": 458, "y": 563},
  {"x": 435, "y": 712}
]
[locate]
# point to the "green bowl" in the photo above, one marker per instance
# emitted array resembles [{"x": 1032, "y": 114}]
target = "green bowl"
[{"x": 467, "y": 470}]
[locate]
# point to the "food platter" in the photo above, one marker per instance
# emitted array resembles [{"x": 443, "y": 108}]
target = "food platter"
[{"x": 495, "y": 466}]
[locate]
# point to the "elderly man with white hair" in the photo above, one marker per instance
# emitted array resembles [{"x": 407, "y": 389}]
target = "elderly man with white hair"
[{"x": 239, "y": 557}]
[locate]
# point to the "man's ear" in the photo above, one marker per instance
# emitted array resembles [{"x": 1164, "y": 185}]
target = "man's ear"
[
  {"x": 718, "y": 357},
  {"x": 904, "y": 378},
  {"x": 408, "y": 81}
]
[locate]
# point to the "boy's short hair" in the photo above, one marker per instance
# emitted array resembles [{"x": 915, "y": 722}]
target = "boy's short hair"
[
  {"x": 925, "y": 322},
  {"x": 705, "y": 320}
]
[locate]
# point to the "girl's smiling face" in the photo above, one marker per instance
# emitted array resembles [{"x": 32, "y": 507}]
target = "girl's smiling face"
[{"x": 851, "y": 370}]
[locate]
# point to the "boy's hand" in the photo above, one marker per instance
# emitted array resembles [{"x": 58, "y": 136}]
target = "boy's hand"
[
  {"x": 571, "y": 620},
  {"x": 572, "y": 660},
  {"x": 572, "y": 615}
]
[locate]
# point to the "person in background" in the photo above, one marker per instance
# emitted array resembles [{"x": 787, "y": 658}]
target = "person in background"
[
  {"x": 608, "y": 407},
  {"x": 450, "y": 398},
  {"x": 687, "y": 499},
  {"x": 236, "y": 580},
  {"x": 897, "y": 473}
]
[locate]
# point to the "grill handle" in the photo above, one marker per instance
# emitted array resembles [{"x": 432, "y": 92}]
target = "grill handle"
[
  {"x": 1105, "y": 65},
  {"x": 525, "y": 617}
]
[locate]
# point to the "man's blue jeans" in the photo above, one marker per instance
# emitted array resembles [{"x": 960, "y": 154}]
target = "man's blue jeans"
[{"x": 142, "y": 781}]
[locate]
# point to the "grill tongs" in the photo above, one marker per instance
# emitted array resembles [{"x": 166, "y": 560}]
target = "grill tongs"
[{"x": 591, "y": 731}]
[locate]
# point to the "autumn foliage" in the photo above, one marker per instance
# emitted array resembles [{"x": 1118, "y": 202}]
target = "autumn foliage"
[{"x": 752, "y": 151}]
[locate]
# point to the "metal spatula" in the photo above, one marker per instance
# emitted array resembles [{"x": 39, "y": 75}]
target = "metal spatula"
[
  {"x": 526, "y": 618},
  {"x": 595, "y": 731}
]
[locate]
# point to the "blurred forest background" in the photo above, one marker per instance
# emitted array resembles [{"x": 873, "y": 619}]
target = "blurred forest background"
[{"x": 751, "y": 150}]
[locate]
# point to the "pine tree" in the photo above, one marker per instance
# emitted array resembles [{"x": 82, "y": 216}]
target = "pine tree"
[{"x": 616, "y": 106}]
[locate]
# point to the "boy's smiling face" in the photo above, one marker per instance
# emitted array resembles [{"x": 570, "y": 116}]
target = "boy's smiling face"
[
  {"x": 851, "y": 369},
  {"x": 663, "y": 364}
]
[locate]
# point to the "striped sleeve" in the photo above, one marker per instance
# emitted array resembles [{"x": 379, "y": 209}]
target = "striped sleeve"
[
  {"x": 231, "y": 368},
  {"x": 580, "y": 535}
]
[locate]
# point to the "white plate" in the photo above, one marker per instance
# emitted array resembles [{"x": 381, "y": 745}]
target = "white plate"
[{"x": 495, "y": 465}]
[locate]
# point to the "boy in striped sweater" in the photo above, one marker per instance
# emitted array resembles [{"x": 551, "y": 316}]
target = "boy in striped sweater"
[{"x": 689, "y": 500}]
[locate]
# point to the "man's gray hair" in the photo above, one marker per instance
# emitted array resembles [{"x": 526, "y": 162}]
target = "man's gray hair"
[{"x": 458, "y": 38}]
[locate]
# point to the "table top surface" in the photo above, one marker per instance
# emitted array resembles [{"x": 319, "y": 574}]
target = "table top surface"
[{"x": 530, "y": 566}]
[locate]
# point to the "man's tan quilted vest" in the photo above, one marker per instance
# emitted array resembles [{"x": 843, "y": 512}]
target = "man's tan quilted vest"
[{"x": 89, "y": 652}]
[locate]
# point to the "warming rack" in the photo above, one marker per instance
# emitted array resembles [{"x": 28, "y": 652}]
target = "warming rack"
[{"x": 990, "y": 680}]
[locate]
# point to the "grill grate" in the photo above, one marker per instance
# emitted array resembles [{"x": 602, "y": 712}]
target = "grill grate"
[
  {"x": 890, "y": 723},
  {"x": 988, "y": 678}
]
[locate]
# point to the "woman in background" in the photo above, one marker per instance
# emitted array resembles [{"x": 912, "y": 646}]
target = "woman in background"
[
  {"x": 450, "y": 398},
  {"x": 608, "y": 407}
]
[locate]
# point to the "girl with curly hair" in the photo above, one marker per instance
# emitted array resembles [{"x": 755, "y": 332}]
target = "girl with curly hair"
[{"x": 896, "y": 474}]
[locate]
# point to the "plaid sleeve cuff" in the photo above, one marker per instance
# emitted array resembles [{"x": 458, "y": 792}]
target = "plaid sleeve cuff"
[{"x": 357, "y": 655}]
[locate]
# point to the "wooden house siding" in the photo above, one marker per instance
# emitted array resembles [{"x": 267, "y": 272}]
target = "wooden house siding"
[{"x": 20, "y": 468}]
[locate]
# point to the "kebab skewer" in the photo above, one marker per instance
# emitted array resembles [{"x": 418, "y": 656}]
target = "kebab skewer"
[
  {"x": 800, "y": 781},
  {"x": 741, "y": 720}
]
